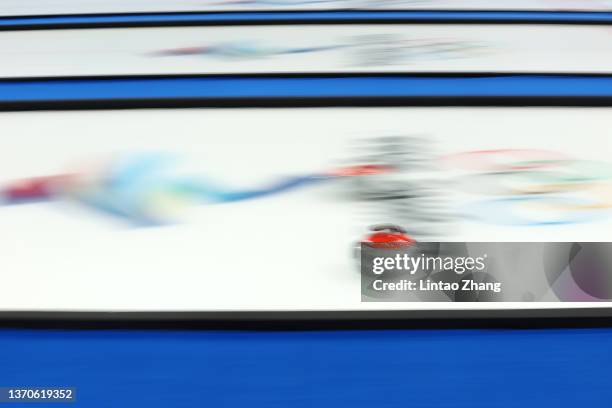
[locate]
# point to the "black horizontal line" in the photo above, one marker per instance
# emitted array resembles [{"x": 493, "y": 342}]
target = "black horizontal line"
[
  {"x": 296, "y": 21},
  {"x": 312, "y": 102},
  {"x": 296, "y": 11},
  {"x": 282, "y": 75},
  {"x": 315, "y": 320}
]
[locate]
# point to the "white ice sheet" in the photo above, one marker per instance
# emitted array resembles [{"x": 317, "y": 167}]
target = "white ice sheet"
[
  {"x": 307, "y": 49},
  {"x": 283, "y": 252},
  {"x": 57, "y": 7}
]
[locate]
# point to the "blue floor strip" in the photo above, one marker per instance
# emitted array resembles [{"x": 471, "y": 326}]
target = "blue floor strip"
[
  {"x": 304, "y": 87},
  {"x": 358, "y": 369},
  {"x": 310, "y": 16}
]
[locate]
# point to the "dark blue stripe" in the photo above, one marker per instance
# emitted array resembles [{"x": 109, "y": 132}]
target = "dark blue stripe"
[
  {"x": 323, "y": 16},
  {"x": 357, "y": 369},
  {"x": 307, "y": 87}
]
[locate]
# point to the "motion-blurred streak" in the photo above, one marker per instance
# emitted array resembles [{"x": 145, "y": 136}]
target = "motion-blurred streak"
[{"x": 144, "y": 189}]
